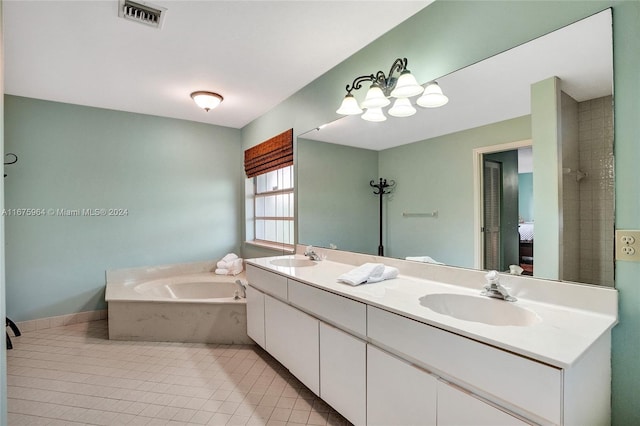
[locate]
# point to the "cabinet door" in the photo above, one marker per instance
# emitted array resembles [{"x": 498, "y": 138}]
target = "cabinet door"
[
  {"x": 343, "y": 363},
  {"x": 255, "y": 315},
  {"x": 292, "y": 337},
  {"x": 397, "y": 392},
  {"x": 459, "y": 408}
]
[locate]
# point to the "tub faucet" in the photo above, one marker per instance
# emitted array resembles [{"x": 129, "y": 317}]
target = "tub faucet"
[
  {"x": 312, "y": 254},
  {"x": 241, "y": 293},
  {"x": 494, "y": 289}
]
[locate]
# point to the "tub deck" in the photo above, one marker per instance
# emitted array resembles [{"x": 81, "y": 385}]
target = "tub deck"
[{"x": 149, "y": 317}]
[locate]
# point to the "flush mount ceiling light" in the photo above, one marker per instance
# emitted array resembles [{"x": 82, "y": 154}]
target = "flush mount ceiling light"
[
  {"x": 402, "y": 87},
  {"x": 206, "y": 100}
]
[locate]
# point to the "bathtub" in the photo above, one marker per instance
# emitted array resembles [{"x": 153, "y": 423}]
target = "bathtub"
[{"x": 176, "y": 303}]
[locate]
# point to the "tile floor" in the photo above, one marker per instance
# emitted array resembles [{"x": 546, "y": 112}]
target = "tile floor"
[{"x": 74, "y": 375}]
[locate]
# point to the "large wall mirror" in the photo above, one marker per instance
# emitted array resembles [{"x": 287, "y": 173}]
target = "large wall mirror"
[{"x": 537, "y": 118}]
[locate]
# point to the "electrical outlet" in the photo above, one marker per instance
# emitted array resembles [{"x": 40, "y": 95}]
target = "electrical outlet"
[{"x": 628, "y": 245}]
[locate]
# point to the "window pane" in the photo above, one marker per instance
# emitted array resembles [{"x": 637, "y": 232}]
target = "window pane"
[
  {"x": 259, "y": 206},
  {"x": 270, "y": 233},
  {"x": 280, "y": 207},
  {"x": 261, "y": 183},
  {"x": 260, "y": 229},
  {"x": 272, "y": 180},
  {"x": 270, "y": 205}
]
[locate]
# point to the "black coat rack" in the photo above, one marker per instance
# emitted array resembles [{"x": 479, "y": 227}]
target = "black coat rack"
[{"x": 382, "y": 188}]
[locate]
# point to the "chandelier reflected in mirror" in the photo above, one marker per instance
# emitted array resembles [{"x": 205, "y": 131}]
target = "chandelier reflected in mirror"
[{"x": 402, "y": 88}]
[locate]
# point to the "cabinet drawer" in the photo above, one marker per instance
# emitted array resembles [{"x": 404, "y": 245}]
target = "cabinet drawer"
[
  {"x": 340, "y": 311},
  {"x": 269, "y": 282},
  {"x": 526, "y": 386}
]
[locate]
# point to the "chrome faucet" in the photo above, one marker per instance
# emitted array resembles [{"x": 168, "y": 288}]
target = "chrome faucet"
[
  {"x": 494, "y": 289},
  {"x": 241, "y": 293},
  {"x": 312, "y": 254}
]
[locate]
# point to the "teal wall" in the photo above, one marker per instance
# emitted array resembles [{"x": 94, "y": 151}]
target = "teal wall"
[
  {"x": 336, "y": 205},
  {"x": 437, "y": 174},
  {"x": 449, "y": 35},
  {"x": 180, "y": 182},
  {"x": 525, "y": 196}
]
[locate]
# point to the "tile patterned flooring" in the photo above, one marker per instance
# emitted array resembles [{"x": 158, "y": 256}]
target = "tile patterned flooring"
[{"x": 75, "y": 375}]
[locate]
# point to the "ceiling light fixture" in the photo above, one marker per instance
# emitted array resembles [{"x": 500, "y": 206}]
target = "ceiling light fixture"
[
  {"x": 206, "y": 100},
  {"x": 402, "y": 87}
]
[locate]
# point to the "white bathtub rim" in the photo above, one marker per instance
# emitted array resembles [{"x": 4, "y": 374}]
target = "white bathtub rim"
[{"x": 125, "y": 291}]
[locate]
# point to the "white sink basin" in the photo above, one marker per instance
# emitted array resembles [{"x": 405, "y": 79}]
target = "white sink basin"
[
  {"x": 293, "y": 263},
  {"x": 480, "y": 309}
]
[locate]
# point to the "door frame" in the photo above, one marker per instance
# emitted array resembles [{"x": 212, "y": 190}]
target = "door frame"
[{"x": 478, "y": 198}]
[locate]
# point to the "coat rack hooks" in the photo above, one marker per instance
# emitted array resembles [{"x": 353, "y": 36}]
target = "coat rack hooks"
[
  {"x": 13, "y": 161},
  {"x": 382, "y": 188}
]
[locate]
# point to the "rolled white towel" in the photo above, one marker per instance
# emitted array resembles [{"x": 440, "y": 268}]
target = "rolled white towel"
[
  {"x": 424, "y": 259},
  {"x": 388, "y": 273},
  {"x": 362, "y": 273},
  {"x": 222, "y": 271},
  {"x": 229, "y": 257}
]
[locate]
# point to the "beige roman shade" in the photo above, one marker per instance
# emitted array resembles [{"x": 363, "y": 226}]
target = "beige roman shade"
[{"x": 272, "y": 154}]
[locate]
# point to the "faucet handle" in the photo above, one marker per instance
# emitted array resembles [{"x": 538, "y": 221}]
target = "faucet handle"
[{"x": 492, "y": 277}]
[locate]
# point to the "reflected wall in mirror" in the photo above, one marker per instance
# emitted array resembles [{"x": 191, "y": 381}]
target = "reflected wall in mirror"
[{"x": 554, "y": 93}]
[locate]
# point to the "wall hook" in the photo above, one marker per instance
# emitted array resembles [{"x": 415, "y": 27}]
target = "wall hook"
[{"x": 12, "y": 161}]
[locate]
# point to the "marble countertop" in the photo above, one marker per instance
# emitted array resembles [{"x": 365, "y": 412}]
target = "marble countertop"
[{"x": 562, "y": 335}]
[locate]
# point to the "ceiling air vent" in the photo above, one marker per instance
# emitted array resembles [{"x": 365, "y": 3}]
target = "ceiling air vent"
[{"x": 142, "y": 12}]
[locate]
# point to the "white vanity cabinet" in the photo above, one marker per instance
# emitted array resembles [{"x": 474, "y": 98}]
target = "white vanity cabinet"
[
  {"x": 292, "y": 337},
  {"x": 376, "y": 366},
  {"x": 255, "y": 316},
  {"x": 520, "y": 384},
  {"x": 398, "y": 393},
  {"x": 343, "y": 367}
]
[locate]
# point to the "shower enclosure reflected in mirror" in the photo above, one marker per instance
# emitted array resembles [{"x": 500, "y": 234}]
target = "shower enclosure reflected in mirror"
[{"x": 560, "y": 84}]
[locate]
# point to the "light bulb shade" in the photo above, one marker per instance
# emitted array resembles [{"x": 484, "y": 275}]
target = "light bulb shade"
[
  {"x": 402, "y": 108},
  {"x": 375, "y": 98},
  {"x": 374, "y": 114},
  {"x": 349, "y": 106},
  {"x": 406, "y": 86},
  {"x": 206, "y": 100},
  {"x": 432, "y": 97}
]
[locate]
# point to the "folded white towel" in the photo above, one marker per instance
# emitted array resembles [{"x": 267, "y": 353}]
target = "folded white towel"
[
  {"x": 232, "y": 268},
  {"x": 225, "y": 264},
  {"x": 388, "y": 273},
  {"x": 362, "y": 273},
  {"x": 236, "y": 267},
  {"x": 229, "y": 257},
  {"x": 424, "y": 259}
]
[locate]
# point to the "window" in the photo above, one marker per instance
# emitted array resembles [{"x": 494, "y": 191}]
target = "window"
[{"x": 273, "y": 206}]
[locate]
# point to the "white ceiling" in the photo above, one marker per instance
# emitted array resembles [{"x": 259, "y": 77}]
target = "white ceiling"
[
  {"x": 495, "y": 89},
  {"x": 254, "y": 53}
]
